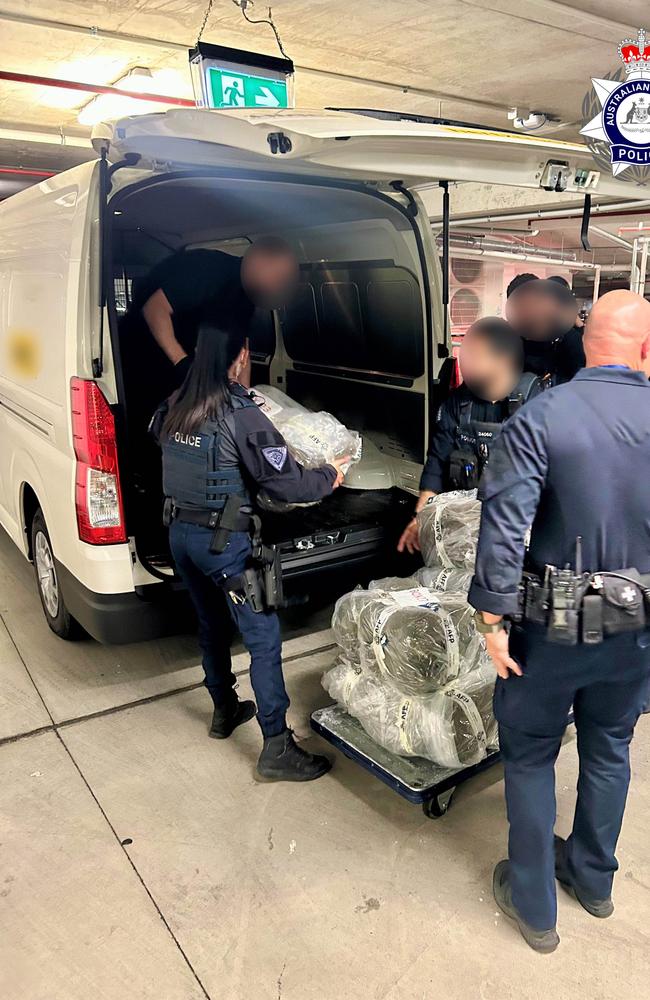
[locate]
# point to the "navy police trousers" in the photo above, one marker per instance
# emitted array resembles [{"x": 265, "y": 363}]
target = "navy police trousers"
[
  {"x": 607, "y": 687},
  {"x": 202, "y": 571}
]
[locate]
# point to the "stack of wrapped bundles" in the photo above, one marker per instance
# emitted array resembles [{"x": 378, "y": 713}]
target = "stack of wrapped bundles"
[{"x": 412, "y": 667}]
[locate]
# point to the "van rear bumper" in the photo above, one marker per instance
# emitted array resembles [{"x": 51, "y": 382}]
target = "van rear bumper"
[{"x": 154, "y": 611}]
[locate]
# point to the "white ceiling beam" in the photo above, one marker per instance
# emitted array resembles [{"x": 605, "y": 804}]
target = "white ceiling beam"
[{"x": 561, "y": 16}]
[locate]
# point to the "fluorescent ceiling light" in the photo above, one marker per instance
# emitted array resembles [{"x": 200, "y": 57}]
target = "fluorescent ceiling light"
[
  {"x": 104, "y": 107},
  {"x": 51, "y": 138}
]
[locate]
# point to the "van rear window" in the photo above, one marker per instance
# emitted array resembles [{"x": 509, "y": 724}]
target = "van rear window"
[{"x": 363, "y": 315}]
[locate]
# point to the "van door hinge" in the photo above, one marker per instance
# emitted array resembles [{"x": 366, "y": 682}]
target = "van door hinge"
[{"x": 279, "y": 142}]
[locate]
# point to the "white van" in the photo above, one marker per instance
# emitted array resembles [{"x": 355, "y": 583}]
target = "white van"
[{"x": 364, "y": 338}]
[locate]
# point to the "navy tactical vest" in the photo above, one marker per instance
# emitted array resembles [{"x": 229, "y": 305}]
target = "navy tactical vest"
[
  {"x": 191, "y": 473},
  {"x": 474, "y": 437}
]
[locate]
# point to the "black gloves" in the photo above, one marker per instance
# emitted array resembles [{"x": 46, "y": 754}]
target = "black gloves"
[{"x": 181, "y": 368}]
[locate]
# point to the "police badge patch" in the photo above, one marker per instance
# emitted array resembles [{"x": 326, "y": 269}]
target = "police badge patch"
[{"x": 276, "y": 457}]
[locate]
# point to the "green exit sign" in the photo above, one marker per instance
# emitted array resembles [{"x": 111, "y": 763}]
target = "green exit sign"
[
  {"x": 228, "y": 89},
  {"x": 233, "y": 78}
]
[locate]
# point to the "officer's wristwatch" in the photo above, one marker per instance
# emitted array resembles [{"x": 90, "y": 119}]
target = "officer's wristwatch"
[{"x": 483, "y": 627}]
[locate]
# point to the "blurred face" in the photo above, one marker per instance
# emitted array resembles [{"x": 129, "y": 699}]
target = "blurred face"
[
  {"x": 269, "y": 279},
  {"x": 537, "y": 315},
  {"x": 487, "y": 372}
]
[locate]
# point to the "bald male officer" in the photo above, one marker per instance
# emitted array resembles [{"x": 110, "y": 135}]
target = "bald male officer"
[{"x": 583, "y": 641}]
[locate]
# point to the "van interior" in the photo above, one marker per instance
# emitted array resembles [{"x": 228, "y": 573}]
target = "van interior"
[{"x": 353, "y": 341}]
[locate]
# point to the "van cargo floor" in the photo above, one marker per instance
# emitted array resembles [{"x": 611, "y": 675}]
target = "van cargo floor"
[
  {"x": 344, "y": 509},
  {"x": 349, "y": 529}
]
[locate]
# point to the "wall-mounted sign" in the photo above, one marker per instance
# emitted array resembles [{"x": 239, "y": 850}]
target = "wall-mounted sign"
[{"x": 232, "y": 78}]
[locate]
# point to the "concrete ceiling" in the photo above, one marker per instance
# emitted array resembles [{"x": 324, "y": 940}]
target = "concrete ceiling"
[
  {"x": 469, "y": 59},
  {"x": 462, "y": 59}
]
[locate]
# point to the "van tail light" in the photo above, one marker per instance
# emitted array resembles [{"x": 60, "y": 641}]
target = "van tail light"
[{"x": 98, "y": 494}]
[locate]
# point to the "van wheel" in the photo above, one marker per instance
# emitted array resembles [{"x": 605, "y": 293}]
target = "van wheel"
[{"x": 58, "y": 617}]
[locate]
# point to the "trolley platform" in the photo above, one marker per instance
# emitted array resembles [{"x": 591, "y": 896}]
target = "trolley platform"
[{"x": 414, "y": 778}]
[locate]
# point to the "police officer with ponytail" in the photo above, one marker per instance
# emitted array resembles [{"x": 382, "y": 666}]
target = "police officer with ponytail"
[{"x": 219, "y": 450}]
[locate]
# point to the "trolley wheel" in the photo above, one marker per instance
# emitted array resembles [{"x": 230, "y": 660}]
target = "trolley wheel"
[{"x": 437, "y": 806}]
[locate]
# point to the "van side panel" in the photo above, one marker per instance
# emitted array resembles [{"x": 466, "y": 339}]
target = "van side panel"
[{"x": 44, "y": 277}]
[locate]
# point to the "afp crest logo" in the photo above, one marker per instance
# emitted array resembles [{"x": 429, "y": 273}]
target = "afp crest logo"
[{"x": 622, "y": 125}]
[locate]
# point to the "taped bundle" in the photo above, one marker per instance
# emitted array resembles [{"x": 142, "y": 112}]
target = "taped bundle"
[
  {"x": 420, "y": 647},
  {"x": 314, "y": 439},
  {"x": 345, "y": 620},
  {"x": 448, "y": 530},
  {"x": 453, "y": 727}
]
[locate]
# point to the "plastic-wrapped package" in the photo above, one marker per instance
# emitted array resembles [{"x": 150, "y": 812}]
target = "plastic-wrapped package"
[
  {"x": 345, "y": 620},
  {"x": 314, "y": 439},
  {"x": 453, "y": 727},
  {"x": 277, "y": 406},
  {"x": 419, "y": 648},
  {"x": 448, "y": 529},
  {"x": 437, "y": 578}
]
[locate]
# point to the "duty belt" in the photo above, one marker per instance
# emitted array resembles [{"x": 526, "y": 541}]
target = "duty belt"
[
  {"x": 224, "y": 521},
  {"x": 207, "y": 518},
  {"x": 586, "y": 607},
  {"x": 259, "y": 585}
]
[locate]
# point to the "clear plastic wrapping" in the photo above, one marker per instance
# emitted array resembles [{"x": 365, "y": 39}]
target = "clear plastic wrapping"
[
  {"x": 448, "y": 530},
  {"x": 314, "y": 439},
  {"x": 437, "y": 578},
  {"x": 345, "y": 621},
  {"x": 388, "y": 583},
  {"x": 453, "y": 727},
  {"x": 419, "y": 648}
]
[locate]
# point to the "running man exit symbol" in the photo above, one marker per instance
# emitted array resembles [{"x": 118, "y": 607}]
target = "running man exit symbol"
[{"x": 233, "y": 91}]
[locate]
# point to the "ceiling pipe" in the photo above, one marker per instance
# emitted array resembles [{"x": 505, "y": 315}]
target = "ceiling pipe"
[
  {"x": 58, "y": 138},
  {"x": 160, "y": 43},
  {"x": 93, "y": 88},
  {"x": 490, "y": 244},
  {"x": 532, "y": 215},
  {"x": 24, "y": 172},
  {"x": 613, "y": 238},
  {"x": 572, "y": 265}
]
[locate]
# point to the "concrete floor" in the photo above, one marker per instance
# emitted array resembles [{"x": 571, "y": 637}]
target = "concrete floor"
[{"x": 140, "y": 859}]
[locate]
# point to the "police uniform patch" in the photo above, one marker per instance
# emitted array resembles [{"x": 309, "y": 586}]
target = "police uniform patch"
[{"x": 276, "y": 457}]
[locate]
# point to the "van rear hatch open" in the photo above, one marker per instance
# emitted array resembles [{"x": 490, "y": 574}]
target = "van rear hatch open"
[{"x": 345, "y": 144}]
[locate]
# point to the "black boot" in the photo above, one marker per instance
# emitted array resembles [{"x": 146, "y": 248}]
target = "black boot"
[
  {"x": 225, "y": 720},
  {"x": 597, "y": 907},
  {"x": 542, "y": 941},
  {"x": 283, "y": 760}
]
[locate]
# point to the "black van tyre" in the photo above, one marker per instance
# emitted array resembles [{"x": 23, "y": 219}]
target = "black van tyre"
[{"x": 57, "y": 615}]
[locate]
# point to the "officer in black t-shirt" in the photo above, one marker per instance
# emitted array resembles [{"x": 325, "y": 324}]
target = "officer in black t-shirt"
[
  {"x": 193, "y": 284},
  {"x": 158, "y": 336}
]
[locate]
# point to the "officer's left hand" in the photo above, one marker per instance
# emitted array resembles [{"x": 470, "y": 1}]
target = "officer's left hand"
[{"x": 499, "y": 653}]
